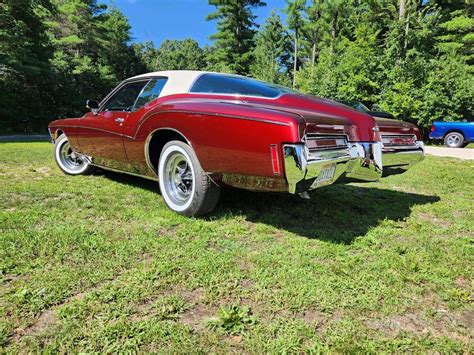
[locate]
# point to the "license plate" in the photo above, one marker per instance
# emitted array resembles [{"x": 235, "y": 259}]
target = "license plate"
[{"x": 326, "y": 174}]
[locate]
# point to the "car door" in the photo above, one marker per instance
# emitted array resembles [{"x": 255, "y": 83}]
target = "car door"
[
  {"x": 134, "y": 146},
  {"x": 101, "y": 135}
]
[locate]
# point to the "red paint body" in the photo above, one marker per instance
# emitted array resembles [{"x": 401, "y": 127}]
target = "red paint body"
[
  {"x": 230, "y": 134},
  {"x": 390, "y": 126}
]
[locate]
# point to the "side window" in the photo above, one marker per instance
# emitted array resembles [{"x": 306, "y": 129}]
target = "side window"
[
  {"x": 124, "y": 99},
  {"x": 151, "y": 91}
]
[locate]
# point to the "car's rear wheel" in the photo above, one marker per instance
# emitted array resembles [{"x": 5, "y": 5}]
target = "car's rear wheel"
[
  {"x": 184, "y": 185},
  {"x": 70, "y": 162},
  {"x": 454, "y": 140}
]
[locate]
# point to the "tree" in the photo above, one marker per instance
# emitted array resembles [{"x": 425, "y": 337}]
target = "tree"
[
  {"x": 115, "y": 51},
  {"x": 179, "y": 55},
  {"x": 234, "y": 40},
  {"x": 272, "y": 52},
  {"x": 457, "y": 35},
  {"x": 294, "y": 12},
  {"x": 25, "y": 70}
]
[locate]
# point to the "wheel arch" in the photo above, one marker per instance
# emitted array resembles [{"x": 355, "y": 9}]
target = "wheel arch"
[
  {"x": 58, "y": 132},
  {"x": 155, "y": 142}
]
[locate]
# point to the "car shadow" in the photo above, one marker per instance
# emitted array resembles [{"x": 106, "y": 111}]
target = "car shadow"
[{"x": 337, "y": 213}]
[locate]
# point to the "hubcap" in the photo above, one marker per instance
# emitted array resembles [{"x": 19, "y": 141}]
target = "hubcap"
[
  {"x": 453, "y": 140},
  {"x": 70, "y": 159},
  {"x": 178, "y": 178}
]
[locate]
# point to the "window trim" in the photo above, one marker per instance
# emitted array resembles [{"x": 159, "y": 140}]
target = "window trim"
[
  {"x": 117, "y": 88},
  {"x": 143, "y": 88},
  {"x": 229, "y": 94}
]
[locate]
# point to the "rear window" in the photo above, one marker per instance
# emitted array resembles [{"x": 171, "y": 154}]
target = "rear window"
[{"x": 235, "y": 85}]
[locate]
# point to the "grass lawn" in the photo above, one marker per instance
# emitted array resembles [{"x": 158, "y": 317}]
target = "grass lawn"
[{"x": 98, "y": 263}]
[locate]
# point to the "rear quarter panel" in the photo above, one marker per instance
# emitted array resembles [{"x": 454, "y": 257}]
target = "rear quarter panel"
[{"x": 228, "y": 139}]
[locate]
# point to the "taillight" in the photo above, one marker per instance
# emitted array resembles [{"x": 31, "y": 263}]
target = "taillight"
[
  {"x": 433, "y": 128},
  {"x": 274, "y": 156}
]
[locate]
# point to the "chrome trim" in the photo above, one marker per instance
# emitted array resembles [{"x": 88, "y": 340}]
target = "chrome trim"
[
  {"x": 117, "y": 88},
  {"x": 362, "y": 160},
  {"x": 125, "y": 172},
  {"x": 403, "y": 156},
  {"x": 147, "y": 143},
  {"x": 223, "y": 94},
  {"x": 319, "y": 137},
  {"x": 367, "y": 164},
  {"x": 255, "y": 183}
]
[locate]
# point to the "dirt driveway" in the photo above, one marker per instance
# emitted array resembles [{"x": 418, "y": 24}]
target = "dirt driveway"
[{"x": 460, "y": 153}]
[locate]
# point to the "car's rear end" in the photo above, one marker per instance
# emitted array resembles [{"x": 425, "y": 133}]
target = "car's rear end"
[
  {"x": 335, "y": 141},
  {"x": 402, "y": 145}
]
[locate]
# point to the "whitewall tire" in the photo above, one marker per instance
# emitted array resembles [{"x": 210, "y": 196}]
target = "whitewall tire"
[
  {"x": 70, "y": 162},
  {"x": 184, "y": 185}
]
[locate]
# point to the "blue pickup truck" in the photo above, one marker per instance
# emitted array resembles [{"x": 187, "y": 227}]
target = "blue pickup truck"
[{"x": 454, "y": 134}]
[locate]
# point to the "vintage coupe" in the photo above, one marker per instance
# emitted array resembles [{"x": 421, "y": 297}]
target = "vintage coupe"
[{"x": 195, "y": 131}]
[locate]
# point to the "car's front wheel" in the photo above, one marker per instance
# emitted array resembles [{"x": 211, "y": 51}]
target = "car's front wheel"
[
  {"x": 184, "y": 185},
  {"x": 454, "y": 140},
  {"x": 69, "y": 161}
]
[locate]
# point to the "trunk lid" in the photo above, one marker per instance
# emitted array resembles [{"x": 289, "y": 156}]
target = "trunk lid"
[
  {"x": 395, "y": 127},
  {"x": 323, "y": 117}
]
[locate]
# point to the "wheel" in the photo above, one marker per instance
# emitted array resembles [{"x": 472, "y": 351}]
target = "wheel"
[
  {"x": 68, "y": 161},
  {"x": 454, "y": 140},
  {"x": 184, "y": 185}
]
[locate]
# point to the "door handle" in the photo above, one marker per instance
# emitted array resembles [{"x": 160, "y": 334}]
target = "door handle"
[{"x": 119, "y": 119}]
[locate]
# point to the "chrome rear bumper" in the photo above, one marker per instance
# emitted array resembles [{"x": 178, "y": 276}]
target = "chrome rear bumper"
[
  {"x": 403, "y": 157},
  {"x": 304, "y": 169}
]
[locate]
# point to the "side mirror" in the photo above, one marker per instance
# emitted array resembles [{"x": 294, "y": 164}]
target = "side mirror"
[{"x": 92, "y": 104}]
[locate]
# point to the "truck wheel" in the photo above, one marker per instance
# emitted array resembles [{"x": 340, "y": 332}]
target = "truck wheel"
[
  {"x": 454, "y": 140},
  {"x": 184, "y": 185},
  {"x": 68, "y": 161}
]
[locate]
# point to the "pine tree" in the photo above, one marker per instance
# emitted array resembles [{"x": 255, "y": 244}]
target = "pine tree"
[
  {"x": 272, "y": 52},
  {"x": 294, "y": 11},
  {"x": 234, "y": 40},
  {"x": 25, "y": 70}
]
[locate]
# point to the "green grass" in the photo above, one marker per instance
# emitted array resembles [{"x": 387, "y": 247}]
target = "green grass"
[{"x": 98, "y": 263}]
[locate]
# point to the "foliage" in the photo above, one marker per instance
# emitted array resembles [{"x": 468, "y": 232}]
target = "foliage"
[
  {"x": 234, "y": 39},
  {"x": 414, "y": 59},
  {"x": 179, "y": 55},
  {"x": 272, "y": 52},
  {"x": 57, "y": 53},
  {"x": 234, "y": 319}
]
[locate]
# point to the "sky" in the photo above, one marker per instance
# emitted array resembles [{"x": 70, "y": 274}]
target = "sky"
[{"x": 157, "y": 20}]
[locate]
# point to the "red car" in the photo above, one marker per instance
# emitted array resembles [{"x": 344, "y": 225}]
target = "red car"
[{"x": 195, "y": 131}]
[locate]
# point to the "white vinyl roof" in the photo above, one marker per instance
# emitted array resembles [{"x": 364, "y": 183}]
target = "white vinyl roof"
[{"x": 179, "y": 81}]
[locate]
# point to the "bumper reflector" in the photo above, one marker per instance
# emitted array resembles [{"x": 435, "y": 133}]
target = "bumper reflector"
[{"x": 275, "y": 162}]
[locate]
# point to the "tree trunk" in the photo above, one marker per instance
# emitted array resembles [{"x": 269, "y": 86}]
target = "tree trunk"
[
  {"x": 313, "y": 57},
  {"x": 333, "y": 32},
  {"x": 407, "y": 27},
  {"x": 295, "y": 59},
  {"x": 401, "y": 13}
]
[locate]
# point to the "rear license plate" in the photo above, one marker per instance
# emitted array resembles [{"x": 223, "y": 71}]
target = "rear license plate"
[{"x": 326, "y": 174}]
